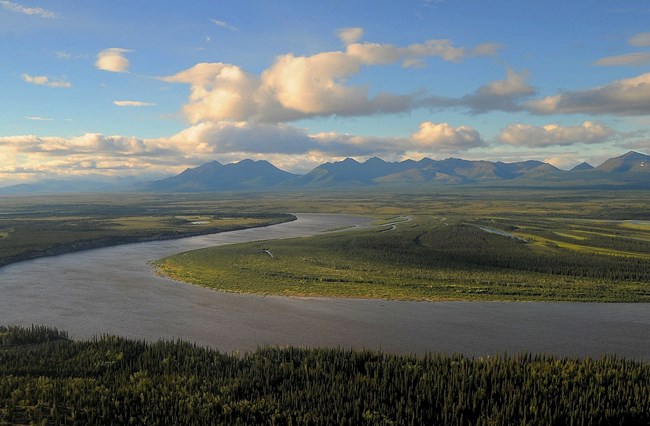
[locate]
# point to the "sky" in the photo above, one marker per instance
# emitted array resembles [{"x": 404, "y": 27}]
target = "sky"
[{"x": 148, "y": 88}]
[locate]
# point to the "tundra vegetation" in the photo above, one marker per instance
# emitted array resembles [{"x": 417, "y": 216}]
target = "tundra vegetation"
[
  {"x": 595, "y": 249},
  {"x": 40, "y": 226},
  {"x": 45, "y": 378},
  {"x": 461, "y": 244}
]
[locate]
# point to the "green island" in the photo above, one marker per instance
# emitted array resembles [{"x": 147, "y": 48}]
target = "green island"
[
  {"x": 459, "y": 247},
  {"x": 46, "y": 378}
]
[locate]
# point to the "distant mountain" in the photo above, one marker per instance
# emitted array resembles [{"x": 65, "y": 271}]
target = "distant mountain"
[
  {"x": 215, "y": 177},
  {"x": 348, "y": 173},
  {"x": 631, "y": 170},
  {"x": 582, "y": 166},
  {"x": 54, "y": 186},
  {"x": 631, "y": 162}
]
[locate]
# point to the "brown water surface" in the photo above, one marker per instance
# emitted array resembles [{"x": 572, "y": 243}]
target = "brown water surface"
[{"x": 112, "y": 290}]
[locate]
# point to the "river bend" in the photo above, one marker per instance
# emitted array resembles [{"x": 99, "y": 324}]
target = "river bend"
[{"x": 113, "y": 291}]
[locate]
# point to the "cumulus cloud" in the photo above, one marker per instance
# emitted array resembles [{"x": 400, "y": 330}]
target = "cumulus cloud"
[
  {"x": 315, "y": 85},
  {"x": 554, "y": 134},
  {"x": 243, "y": 137},
  {"x": 112, "y": 60},
  {"x": 486, "y": 49},
  {"x": 35, "y": 11},
  {"x": 372, "y": 53},
  {"x": 350, "y": 35},
  {"x": 630, "y": 96},
  {"x": 218, "y": 92},
  {"x": 285, "y": 145},
  {"x": 501, "y": 95},
  {"x": 513, "y": 85},
  {"x": 443, "y": 137},
  {"x": 133, "y": 103},
  {"x": 42, "y": 80},
  {"x": 295, "y": 87},
  {"x": 639, "y": 58},
  {"x": 224, "y": 24},
  {"x": 415, "y": 54},
  {"x": 640, "y": 40}
]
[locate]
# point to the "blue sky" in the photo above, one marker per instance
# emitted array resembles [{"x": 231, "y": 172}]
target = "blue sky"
[{"x": 149, "y": 88}]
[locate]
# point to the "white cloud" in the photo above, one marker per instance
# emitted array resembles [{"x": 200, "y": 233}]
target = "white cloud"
[
  {"x": 314, "y": 85},
  {"x": 112, "y": 60},
  {"x": 242, "y": 137},
  {"x": 218, "y": 92},
  {"x": 442, "y": 48},
  {"x": 42, "y": 80},
  {"x": 640, "y": 40},
  {"x": 224, "y": 24},
  {"x": 374, "y": 53},
  {"x": 501, "y": 95},
  {"x": 35, "y": 11},
  {"x": 442, "y": 137},
  {"x": 486, "y": 49},
  {"x": 133, "y": 103},
  {"x": 65, "y": 55},
  {"x": 639, "y": 58},
  {"x": 350, "y": 35},
  {"x": 295, "y": 87},
  {"x": 630, "y": 96},
  {"x": 415, "y": 54},
  {"x": 514, "y": 85},
  {"x": 62, "y": 54},
  {"x": 38, "y": 118},
  {"x": 554, "y": 134},
  {"x": 285, "y": 145}
]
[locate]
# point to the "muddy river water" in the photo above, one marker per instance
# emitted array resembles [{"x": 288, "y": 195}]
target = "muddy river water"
[{"x": 112, "y": 290}]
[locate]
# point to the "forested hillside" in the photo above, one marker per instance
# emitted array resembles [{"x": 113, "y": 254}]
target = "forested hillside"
[{"x": 47, "y": 379}]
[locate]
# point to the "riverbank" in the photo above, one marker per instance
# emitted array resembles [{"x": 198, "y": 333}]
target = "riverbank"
[{"x": 57, "y": 249}]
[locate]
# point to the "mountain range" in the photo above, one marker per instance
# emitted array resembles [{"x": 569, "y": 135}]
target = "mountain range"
[
  {"x": 631, "y": 170},
  {"x": 214, "y": 177}
]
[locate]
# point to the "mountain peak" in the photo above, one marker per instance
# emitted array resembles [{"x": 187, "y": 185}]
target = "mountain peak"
[
  {"x": 207, "y": 166},
  {"x": 374, "y": 160},
  {"x": 582, "y": 166},
  {"x": 633, "y": 154},
  {"x": 244, "y": 175},
  {"x": 349, "y": 160},
  {"x": 629, "y": 162}
]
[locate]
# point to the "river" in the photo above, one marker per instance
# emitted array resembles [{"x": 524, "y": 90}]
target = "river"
[{"x": 113, "y": 291}]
